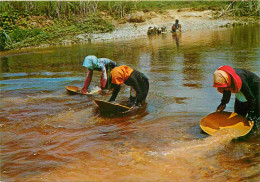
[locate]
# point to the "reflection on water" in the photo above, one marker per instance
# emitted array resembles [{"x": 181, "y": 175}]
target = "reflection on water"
[{"x": 48, "y": 135}]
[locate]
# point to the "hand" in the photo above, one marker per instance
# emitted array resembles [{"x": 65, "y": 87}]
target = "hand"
[
  {"x": 112, "y": 101},
  {"x": 132, "y": 107},
  {"x": 221, "y": 107},
  {"x": 252, "y": 116},
  {"x": 84, "y": 91}
]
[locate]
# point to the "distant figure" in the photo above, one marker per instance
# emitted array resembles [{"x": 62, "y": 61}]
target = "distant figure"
[
  {"x": 246, "y": 86},
  {"x": 163, "y": 29},
  {"x": 153, "y": 31},
  {"x": 138, "y": 81},
  {"x": 177, "y": 37},
  {"x": 176, "y": 26},
  {"x": 99, "y": 64}
]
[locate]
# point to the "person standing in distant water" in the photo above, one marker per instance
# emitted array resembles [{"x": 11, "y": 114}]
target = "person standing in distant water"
[
  {"x": 176, "y": 26},
  {"x": 136, "y": 80},
  {"x": 246, "y": 86},
  {"x": 99, "y": 64}
]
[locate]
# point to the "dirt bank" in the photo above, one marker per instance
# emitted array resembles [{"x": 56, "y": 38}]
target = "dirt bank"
[
  {"x": 189, "y": 19},
  {"x": 130, "y": 26}
]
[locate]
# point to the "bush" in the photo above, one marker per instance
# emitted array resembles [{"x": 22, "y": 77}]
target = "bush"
[{"x": 20, "y": 34}]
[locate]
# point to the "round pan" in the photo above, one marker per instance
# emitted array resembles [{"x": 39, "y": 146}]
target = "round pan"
[
  {"x": 226, "y": 120},
  {"x": 76, "y": 90}
]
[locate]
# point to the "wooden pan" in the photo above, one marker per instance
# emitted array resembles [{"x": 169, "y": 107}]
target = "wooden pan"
[
  {"x": 77, "y": 90},
  {"x": 111, "y": 107}
]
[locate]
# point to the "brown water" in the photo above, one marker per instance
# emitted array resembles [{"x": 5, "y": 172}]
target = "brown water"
[{"x": 47, "y": 135}]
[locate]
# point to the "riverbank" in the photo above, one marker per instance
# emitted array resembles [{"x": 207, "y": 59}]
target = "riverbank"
[
  {"x": 47, "y": 32},
  {"x": 189, "y": 19}
]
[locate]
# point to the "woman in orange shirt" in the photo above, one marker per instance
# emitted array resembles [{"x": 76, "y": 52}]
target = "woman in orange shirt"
[{"x": 137, "y": 80}]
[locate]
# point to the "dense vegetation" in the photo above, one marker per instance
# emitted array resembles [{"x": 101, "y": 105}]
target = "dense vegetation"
[{"x": 33, "y": 23}]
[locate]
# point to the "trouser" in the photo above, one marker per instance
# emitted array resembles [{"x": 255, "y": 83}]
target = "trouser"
[
  {"x": 108, "y": 84},
  {"x": 144, "y": 84},
  {"x": 242, "y": 108}
]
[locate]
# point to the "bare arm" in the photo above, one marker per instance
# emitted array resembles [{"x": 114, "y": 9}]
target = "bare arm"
[
  {"x": 225, "y": 99},
  {"x": 87, "y": 81},
  {"x": 103, "y": 79}
]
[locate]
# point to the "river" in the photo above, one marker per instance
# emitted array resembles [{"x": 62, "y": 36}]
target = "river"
[{"x": 48, "y": 135}]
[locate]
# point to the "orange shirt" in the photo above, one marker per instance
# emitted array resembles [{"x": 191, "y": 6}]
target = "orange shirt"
[{"x": 120, "y": 74}]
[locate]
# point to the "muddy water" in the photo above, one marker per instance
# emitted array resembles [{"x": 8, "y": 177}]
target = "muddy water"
[{"x": 48, "y": 135}]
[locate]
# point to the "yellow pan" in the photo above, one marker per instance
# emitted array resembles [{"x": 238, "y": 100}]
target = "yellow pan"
[
  {"x": 77, "y": 90},
  {"x": 225, "y": 120}
]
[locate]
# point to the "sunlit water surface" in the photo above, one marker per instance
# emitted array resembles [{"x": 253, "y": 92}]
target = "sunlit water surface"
[{"x": 48, "y": 135}]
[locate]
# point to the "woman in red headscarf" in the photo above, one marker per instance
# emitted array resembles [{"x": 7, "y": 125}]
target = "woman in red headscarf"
[
  {"x": 246, "y": 86},
  {"x": 138, "y": 81}
]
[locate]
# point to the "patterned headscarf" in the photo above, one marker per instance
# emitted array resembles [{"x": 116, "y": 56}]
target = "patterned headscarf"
[
  {"x": 221, "y": 79},
  {"x": 92, "y": 62},
  {"x": 226, "y": 77}
]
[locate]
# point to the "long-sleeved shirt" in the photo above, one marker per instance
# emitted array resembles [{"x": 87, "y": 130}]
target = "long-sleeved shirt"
[
  {"x": 98, "y": 64},
  {"x": 140, "y": 84},
  {"x": 250, "y": 88}
]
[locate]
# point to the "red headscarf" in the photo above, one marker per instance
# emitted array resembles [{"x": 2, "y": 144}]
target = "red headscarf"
[{"x": 233, "y": 81}]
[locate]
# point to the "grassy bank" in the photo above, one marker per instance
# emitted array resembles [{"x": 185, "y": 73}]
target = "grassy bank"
[
  {"x": 32, "y": 23},
  {"x": 35, "y": 30}
]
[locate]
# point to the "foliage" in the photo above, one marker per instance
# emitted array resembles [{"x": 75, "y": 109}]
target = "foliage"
[
  {"x": 24, "y": 30},
  {"x": 67, "y": 9},
  {"x": 246, "y": 8},
  {"x": 242, "y": 8},
  {"x": 34, "y": 36}
]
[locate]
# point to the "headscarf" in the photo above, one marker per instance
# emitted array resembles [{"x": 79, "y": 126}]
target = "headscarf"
[
  {"x": 92, "y": 62},
  {"x": 120, "y": 74},
  {"x": 226, "y": 77},
  {"x": 221, "y": 79}
]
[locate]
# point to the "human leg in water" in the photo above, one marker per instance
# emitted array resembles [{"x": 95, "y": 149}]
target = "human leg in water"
[{"x": 132, "y": 98}]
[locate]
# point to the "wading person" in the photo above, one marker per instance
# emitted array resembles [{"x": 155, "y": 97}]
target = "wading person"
[
  {"x": 136, "y": 80},
  {"x": 246, "y": 86},
  {"x": 176, "y": 26},
  {"x": 99, "y": 64}
]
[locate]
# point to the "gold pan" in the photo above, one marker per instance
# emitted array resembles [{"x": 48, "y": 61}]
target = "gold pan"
[{"x": 226, "y": 120}]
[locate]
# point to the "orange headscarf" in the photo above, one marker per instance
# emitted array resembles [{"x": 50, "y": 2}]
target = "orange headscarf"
[
  {"x": 120, "y": 74},
  {"x": 226, "y": 77}
]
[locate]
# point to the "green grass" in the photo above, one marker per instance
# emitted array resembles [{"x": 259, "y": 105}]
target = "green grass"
[{"x": 30, "y": 36}]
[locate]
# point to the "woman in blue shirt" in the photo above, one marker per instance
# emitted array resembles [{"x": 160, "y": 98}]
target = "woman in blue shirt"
[{"x": 99, "y": 64}]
